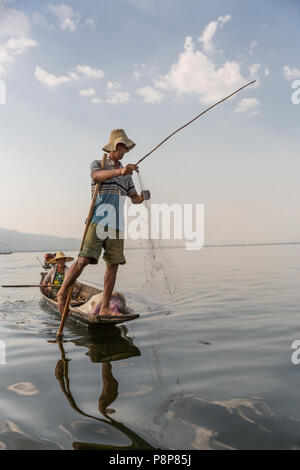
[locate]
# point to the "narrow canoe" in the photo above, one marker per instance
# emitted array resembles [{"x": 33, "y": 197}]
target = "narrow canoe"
[{"x": 87, "y": 319}]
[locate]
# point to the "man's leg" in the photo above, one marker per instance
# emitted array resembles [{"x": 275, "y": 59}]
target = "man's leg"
[
  {"x": 109, "y": 390},
  {"x": 109, "y": 284},
  {"x": 72, "y": 274}
]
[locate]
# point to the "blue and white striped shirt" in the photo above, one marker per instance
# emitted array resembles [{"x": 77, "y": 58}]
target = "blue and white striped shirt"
[{"x": 109, "y": 194}]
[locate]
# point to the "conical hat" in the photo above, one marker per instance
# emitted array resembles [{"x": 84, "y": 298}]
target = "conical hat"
[
  {"x": 60, "y": 255},
  {"x": 118, "y": 136}
]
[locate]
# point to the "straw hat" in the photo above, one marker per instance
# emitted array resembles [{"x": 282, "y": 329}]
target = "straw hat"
[
  {"x": 118, "y": 136},
  {"x": 60, "y": 255}
]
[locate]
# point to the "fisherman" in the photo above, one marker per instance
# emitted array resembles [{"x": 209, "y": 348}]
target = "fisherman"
[
  {"x": 115, "y": 183},
  {"x": 57, "y": 273}
]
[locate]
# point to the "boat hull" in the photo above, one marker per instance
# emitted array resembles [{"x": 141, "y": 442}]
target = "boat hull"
[{"x": 91, "y": 321}]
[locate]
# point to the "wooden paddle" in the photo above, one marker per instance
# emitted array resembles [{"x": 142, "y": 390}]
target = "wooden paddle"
[
  {"x": 71, "y": 288},
  {"x": 32, "y": 285}
]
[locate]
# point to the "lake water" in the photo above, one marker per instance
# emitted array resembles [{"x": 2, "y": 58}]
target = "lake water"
[{"x": 208, "y": 368}]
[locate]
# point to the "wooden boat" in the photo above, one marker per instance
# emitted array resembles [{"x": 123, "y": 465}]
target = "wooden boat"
[{"x": 85, "y": 293}]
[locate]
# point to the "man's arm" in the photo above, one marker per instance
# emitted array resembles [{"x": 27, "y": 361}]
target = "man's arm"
[{"x": 101, "y": 175}]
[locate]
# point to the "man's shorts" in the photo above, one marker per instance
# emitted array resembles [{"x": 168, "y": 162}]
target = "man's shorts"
[{"x": 92, "y": 247}]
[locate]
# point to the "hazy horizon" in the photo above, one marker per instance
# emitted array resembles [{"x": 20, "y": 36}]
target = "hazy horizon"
[{"x": 131, "y": 244}]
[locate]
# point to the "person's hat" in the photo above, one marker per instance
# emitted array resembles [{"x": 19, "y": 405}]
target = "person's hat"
[
  {"x": 60, "y": 255},
  {"x": 118, "y": 136}
]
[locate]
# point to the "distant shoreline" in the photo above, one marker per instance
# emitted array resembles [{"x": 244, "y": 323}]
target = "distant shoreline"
[
  {"x": 237, "y": 245},
  {"x": 253, "y": 244}
]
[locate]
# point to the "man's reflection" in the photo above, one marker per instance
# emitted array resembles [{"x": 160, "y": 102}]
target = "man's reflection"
[{"x": 105, "y": 346}]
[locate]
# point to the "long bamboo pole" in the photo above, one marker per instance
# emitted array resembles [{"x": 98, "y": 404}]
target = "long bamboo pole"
[
  {"x": 194, "y": 119},
  {"x": 71, "y": 288}
]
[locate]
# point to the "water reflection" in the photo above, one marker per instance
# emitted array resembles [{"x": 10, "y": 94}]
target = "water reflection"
[
  {"x": 104, "y": 346},
  {"x": 109, "y": 343},
  {"x": 237, "y": 423},
  {"x": 23, "y": 388},
  {"x": 13, "y": 437}
]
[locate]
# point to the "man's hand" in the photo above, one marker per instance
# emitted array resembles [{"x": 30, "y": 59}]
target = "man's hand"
[
  {"x": 139, "y": 198},
  {"x": 128, "y": 169}
]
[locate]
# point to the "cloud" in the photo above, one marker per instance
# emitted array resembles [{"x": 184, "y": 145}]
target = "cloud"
[
  {"x": 150, "y": 94},
  {"x": 68, "y": 18},
  {"x": 254, "y": 113},
  {"x": 113, "y": 85},
  {"x": 142, "y": 70},
  {"x": 15, "y": 31},
  {"x": 88, "y": 92},
  {"x": 267, "y": 72},
  {"x": 114, "y": 96},
  {"x": 96, "y": 100},
  {"x": 19, "y": 45},
  {"x": 73, "y": 75},
  {"x": 247, "y": 104},
  {"x": 252, "y": 47},
  {"x": 196, "y": 74},
  {"x": 13, "y": 23},
  {"x": 5, "y": 58},
  {"x": 70, "y": 24},
  {"x": 51, "y": 80},
  {"x": 254, "y": 73},
  {"x": 210, "y": 31},
  {"x": 89, "y": 72},
  {"x": 290, "y": 73},
  {"x": 118, "y": 97}
]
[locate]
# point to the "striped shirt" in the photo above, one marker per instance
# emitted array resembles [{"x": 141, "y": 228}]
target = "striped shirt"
[
  {"x": 122, "y": 185},
  {"x": 112, "y": 192}
]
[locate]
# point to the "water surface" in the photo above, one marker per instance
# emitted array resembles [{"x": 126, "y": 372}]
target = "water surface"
[{"x": 209, "y": 368}]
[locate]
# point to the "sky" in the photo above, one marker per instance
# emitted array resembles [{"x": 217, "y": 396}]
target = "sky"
[{"x": 75, "y": 70}]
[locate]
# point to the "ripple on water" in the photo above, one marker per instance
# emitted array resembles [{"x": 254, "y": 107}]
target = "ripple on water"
[{"x": 13, "y": 437}]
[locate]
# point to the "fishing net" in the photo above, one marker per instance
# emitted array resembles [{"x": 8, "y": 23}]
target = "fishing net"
[{"x": 156, "y": 264}]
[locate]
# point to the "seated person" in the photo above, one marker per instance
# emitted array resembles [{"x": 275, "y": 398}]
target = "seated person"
[{"x": 56, "y": 274}]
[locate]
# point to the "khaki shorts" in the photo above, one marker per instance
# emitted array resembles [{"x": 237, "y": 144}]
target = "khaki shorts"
[{"x": 92, "y": 247}]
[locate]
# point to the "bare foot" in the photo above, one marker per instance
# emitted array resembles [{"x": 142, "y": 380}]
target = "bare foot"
[
  {"x": 61, "y": 301},
  {"x": 109, "y": 313}
]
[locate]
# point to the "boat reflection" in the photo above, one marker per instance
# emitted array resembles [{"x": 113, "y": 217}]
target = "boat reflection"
[{"x": 104, "y": 346}]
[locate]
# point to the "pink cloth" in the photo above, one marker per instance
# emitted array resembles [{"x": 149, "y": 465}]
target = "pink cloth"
[{"x": 114, "y": 304}]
